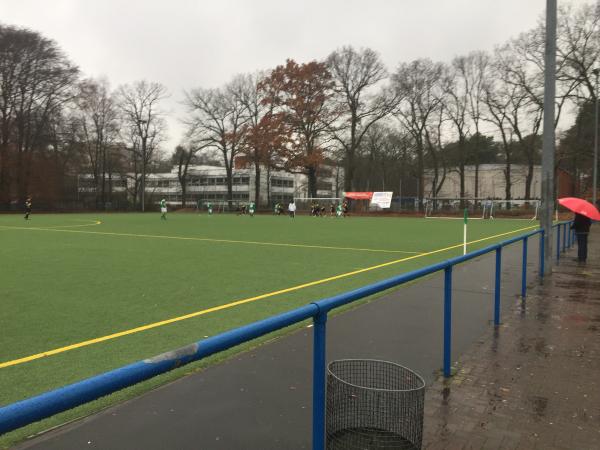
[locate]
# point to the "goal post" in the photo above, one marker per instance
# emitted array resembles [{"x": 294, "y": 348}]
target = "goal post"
[
  {"x": 453, "y": 208},
  {"x": 481, "y": 208},
  {"x": 514, "y": 209}
]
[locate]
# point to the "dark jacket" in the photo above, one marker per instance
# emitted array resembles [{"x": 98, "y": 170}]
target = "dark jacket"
[{"x": 581, "y": 224}]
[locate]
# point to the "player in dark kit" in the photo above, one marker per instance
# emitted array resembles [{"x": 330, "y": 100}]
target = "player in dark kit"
[{"x": 27, "y": 208}]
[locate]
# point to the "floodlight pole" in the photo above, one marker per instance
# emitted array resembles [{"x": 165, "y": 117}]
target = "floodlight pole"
[
  {"x": 596, "y": 125},
  {"x": 549, "y": 138}
]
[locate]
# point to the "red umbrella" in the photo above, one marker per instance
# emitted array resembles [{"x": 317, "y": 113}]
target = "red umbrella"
[{"x": 580, "y": 206}]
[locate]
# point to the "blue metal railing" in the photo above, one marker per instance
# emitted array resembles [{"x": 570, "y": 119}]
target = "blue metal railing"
[{"x": 36, "y": 408}]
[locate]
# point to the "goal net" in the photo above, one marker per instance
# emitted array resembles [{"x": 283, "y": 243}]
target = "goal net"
[
  {"x": 453, "y": 208},
  {"x": 481, "y": 208},
  {"x": 513, "y": 209},
  {"x": 314, "y": 205}
]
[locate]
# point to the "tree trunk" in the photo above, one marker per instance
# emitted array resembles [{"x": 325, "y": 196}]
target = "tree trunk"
[
  {"x": 4, "y": 181},
  {"x": 508, "y": 185},
  {"x": 476, "y": 180},
  {"x": 229, "y": 171},
  {"x": 312, "y": 182},
  {"x": 269, "y": 184},
  {"x": 349, "y": 172},
  {"x": 103, "y": 195},
  {"x": 183, "y": 192},
  {"x": 420, "y": 178},
  {"x": 257, "y": 184},
  {"x": 528, "y": 180}
]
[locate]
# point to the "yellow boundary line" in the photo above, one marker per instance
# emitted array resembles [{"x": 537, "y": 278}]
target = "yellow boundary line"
[
  {"x": 185, "y": 238},
  {"x": 54, "y": 228},
  {"x": 240, "y": 302}
]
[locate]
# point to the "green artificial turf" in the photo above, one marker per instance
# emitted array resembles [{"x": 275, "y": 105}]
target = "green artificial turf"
[{"x": 66, "y": 279}]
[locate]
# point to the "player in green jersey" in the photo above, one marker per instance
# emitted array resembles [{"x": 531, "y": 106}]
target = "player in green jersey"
[
  {"x": 251, "y": 208},
  {"x": 209, "y": 207},
  {"x": 163, "y": 209}
]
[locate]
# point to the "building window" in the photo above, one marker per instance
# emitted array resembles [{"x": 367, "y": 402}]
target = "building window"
[
  {"x": 282, "y": 182},
  {"x": 241, "y": 180},
  {"x": 281, "y": 198}
]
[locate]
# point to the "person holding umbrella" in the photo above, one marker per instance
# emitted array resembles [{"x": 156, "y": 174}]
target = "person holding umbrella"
[
  {"x": 585, "y": 212},
  {"x": 581, "y": 225}
]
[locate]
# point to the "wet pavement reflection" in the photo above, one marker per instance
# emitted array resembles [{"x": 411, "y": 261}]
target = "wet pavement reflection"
[{"x": 534, "y": 381}]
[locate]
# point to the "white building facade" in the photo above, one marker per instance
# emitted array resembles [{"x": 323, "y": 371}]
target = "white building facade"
[
  {"x": 209, "y": 184},
  {"x": 492, "y": 182}
]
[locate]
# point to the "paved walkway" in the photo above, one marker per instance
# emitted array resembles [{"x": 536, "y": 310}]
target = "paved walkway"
[{"x": 535, "y": 383}]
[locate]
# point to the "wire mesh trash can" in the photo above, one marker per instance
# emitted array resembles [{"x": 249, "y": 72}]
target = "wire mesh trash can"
[{"x": 373, "y": 405}]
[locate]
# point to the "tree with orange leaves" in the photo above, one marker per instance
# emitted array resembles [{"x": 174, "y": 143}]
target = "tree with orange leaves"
[{"x": 300, "y": 97}]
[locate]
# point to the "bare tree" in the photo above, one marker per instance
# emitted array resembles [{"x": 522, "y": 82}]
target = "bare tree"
[
  {"x": 434, "y": 146},
  {"x": 36, "y": 80},
  {"x": 418, "y": 84},
  {"x": 457, "y": 87},
  {"x": 220, "y": 117},
  {"x": 259, "y": 140},
  {"x": 98, "y": 128},
  {"x": 578, "y": 48},
  {"x": 142, "y": 118},
  {"x": 503, "y": 100},
  {"x": 356, "y": 74},
  {"x": 474, "y": 69},
  {"x": 183, "y": 157}
]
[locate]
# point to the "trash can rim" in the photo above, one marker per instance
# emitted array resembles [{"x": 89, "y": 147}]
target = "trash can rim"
[{"x": 419, "y": 377}]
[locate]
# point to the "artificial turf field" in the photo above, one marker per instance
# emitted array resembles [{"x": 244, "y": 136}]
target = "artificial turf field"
[{"x": 68, "y": 279}]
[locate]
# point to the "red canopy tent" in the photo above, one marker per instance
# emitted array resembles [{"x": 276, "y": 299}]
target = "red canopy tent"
[{"x": 359, "y": 195}]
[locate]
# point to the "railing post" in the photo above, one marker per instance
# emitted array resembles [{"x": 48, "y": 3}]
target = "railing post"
[
  {"x": 569, "y": 237},
  {"x": 542, "y": 249},
  {"x": 564, "y": 244},
  {"x": 447, "y": 320},
  {"x": 497, "y": 286},
  {"x": 558, "y": 243},
  {"x": 524, "y": 270},
  {"x": 319, "y": 348}
]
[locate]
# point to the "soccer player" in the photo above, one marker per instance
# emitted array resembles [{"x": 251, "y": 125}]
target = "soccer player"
[
  {"x": 332, "y": 210},
  {"x": 209, "y": 207},
  {"x": 292, "y": 209},
  {"x": 163, "y": 209},
  {"x": 251, "y": 208},
  {"x": 339, "y": 210},
  {"x": 27, "y": 208}
]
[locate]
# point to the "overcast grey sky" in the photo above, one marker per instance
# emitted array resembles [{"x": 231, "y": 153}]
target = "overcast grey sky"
[{"x": 185, "y": 43}]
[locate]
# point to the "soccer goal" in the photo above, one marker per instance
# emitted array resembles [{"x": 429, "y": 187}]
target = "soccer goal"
[
  {"x": 481, "y": 208},
  {"x": 309, "y": 205},
  {"x": 513, "y": 209},
  {"x": 453, "y": 208}
]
